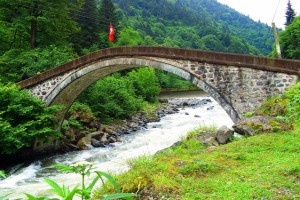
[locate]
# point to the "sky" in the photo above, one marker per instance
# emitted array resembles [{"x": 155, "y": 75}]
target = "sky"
[{"x": 263, "y": 10}]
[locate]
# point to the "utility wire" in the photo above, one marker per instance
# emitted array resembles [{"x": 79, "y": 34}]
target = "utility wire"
[
  {"x": 73, "y": 11},
  {"x": 275, "y": 13},
  {"x": 276, "y": 10}
]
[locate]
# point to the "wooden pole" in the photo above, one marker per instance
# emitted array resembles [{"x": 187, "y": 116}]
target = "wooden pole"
[{"x": 276, "y": 40}]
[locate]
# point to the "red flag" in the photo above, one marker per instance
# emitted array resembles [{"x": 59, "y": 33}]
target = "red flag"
[{"x": 111, "y": 33}]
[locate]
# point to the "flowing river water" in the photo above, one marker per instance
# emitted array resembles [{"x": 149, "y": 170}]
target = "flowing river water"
[{"x": 28, "y": 178}]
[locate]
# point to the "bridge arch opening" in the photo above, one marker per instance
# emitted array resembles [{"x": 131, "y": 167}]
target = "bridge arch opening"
[{"x": 67, "y": 91}]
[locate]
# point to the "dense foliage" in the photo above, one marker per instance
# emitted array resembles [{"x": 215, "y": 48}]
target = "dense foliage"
[
  {"x": 204, "y": 24},
  {"x": 23, "y": 118},
  {"x": 169, "y": 80},
  {"x": 290, "y": 40},
  {"x": 64, "y": 29},
  {"x": 117, "y": 97}
]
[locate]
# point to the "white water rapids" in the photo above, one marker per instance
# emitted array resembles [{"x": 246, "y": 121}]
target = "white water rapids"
[{"x": 157, "y": 136}]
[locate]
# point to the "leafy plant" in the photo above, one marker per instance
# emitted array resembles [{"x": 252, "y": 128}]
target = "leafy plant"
[
  {"x": 112, "y": 98},
  {"x": 293, "y": 94},
  {"x": 84, "y": 169},
  {"x": 2, "y": 174},
  {"x": 145, "y": 83},
  {"x": 24, "y": 118}
]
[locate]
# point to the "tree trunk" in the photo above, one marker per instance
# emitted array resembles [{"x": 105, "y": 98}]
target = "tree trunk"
[{"x": 33, "y": 33}]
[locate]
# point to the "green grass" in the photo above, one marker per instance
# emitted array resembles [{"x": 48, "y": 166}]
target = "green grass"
[{"x": 259, "y": 167}]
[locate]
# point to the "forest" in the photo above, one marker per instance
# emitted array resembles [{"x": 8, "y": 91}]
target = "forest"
[{"x": 37, "y": 35}]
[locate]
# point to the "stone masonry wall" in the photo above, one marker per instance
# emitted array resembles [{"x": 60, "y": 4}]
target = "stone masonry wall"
[
  {"x": 244, "y": 88},
  {"x": 237, "y": 89}
]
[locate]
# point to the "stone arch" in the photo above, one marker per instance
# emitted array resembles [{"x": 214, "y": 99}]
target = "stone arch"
[{"x": 78, "y": 80}]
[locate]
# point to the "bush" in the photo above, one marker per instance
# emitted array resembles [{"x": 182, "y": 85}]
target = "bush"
[
  {"x": 112, "y": 98},
  {"x": 23, "y": 118},
  {"x": 145, "y": 83},
  {"x": 293, "y": 108}
]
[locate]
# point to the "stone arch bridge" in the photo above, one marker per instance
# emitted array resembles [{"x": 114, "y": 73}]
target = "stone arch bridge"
[{"x": 239, "y": 83}]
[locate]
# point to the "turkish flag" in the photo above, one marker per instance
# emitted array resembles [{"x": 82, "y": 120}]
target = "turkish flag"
[{"x": 111, "y": 33}]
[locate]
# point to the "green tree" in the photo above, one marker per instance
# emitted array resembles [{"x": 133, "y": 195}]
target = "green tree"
[
  {"x": 33, "y": 23},
  {"x": 290, "y": 40},
  {"x": 112, "y": 98},
  {"x": 289, "y": 14},
  {"x": 107, "y": 15},
  {"x": 23, "y": 118},
  {"x": 145, "y": 83},
  {"x": 16, "y": 61},
  {"x": 88, "y": 20},
  {"x": 129, "y": 37}
]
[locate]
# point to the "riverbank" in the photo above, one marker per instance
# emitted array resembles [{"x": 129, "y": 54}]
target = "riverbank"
[
  {"x": 263, "y": 166},
  {"x": 157, "y": 136},
  {"x": 258, "y": 167}
]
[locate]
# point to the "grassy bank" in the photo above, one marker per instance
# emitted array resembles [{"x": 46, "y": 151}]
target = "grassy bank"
[
  {"x": 264, "y": 166},
  {"x": 260, "y": 167}
]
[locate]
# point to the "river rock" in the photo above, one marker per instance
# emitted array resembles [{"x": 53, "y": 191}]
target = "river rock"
[
  {"x": 104, "y": 138},
  {"x": 96, "y": 135},
  {"x": 210, "y": 108},
  {"x": 223, "y": 134},
  {"x": 210, "y": 141},
  {"x": 258, "y": 124},
  {"x": 85, "y": 143},
  {"x": 243, "y": 129},
  {"x": 71, "y": 134},
  {"x": 96, "y": 143}
]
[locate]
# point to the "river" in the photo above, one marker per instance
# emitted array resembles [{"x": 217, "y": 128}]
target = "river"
[{"x": 28, "y": 178}]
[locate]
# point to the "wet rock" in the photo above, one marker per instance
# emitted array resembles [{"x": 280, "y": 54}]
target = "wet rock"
[
  {"x": 210, "y": 108},
  {"x": 112, "y": 139},
  {"x": 104, "y": 138},
  {"x": 84, "y": 143},
  {"x": 96, "y": 135},
  {"x": 97, "y": 143}
]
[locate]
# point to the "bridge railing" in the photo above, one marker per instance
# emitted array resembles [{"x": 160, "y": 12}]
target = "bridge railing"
[{"x": 230, "y": 59}]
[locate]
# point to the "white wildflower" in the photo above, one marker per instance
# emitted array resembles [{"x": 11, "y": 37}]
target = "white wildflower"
[{"x": 81, "y": 164}]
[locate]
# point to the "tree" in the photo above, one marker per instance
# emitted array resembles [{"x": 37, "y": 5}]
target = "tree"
[
  {"x": 23, "y": 118},
  {"x": 290, "y": 14},
  {"x": 87, "y": 18},
  {"x": 112, "y": 98},
  {"x": 145, "y": 83},
  {"x": 33, "y": 23},
  {"x": 290, "y": 40},
  {"x": 107, "y": 15},
  {"x": 130, "y": 37}
]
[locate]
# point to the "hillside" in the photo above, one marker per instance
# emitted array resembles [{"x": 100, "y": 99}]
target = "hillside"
[{"x": 200, "y": 24}]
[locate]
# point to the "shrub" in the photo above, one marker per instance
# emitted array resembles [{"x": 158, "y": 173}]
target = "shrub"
[
  {"x": 145, "y": 83},
  {"x": 112, "y": 97},
  {"x": 23, "y": 118},
  {"x": 293, "y": 107}
]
